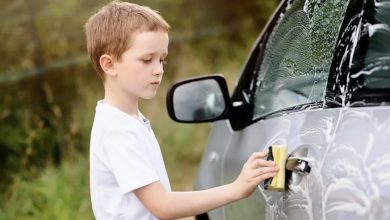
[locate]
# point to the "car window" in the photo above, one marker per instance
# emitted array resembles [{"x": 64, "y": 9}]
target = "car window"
[
  {"x": 298, "y": 55},
  {"x": 371, "y": 65}
]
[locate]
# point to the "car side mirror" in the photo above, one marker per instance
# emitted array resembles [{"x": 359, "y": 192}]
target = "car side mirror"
[{"x": 200, "y": 99}]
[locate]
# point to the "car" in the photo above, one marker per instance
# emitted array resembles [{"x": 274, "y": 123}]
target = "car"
[{"x": 317, "y": 81}]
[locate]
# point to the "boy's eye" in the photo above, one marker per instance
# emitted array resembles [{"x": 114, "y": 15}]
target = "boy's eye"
[
  {"x": 163, "y": 62},
  {"x": 146, "y": 60}
]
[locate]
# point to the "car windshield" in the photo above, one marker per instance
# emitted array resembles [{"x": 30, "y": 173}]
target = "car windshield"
[{"x": 298, "y": 55}]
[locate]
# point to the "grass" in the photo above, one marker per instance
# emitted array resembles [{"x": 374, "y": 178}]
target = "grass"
[{"x": 56, "y": 193}]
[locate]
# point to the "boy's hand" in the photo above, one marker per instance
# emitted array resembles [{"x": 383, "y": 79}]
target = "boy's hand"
[{"x": 254, "y": 171}]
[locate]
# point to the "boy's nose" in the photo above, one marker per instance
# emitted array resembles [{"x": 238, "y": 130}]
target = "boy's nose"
[{"x": 159, "y": 69}]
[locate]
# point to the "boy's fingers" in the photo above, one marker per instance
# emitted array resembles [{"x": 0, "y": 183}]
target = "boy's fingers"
[
  {"x": 264, "y": 176},
  {"x": 265, "y": 163},
  {"x": 264, "y": 170},
  {"x": 262, "y": 163},
  {"x": 258, "y": 154}
]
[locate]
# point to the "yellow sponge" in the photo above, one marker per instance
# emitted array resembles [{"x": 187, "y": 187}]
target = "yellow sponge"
[{"x": 277, "y": 153}]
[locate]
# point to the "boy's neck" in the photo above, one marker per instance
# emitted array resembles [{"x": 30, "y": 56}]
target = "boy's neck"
[{"x": 122, "y": 102}]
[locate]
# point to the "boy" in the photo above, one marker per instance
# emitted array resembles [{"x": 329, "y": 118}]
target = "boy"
[{"x": 127, "y": 44}]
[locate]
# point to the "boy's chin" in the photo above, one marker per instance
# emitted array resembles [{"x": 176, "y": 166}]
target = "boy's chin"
[{"x": 149, "y": 96}]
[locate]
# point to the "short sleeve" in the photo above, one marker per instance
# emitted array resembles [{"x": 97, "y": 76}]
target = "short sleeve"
[{"x": 126, "y": 155}]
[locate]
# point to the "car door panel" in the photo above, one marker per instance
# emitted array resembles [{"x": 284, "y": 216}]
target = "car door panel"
[
  {"x": 311, "y": 131},
  {"x": 356, "y": 184},
  {"x": 348, "y": 175}
]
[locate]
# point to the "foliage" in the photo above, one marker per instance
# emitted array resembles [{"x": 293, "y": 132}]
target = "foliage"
[{"x": 57, "y": 193}]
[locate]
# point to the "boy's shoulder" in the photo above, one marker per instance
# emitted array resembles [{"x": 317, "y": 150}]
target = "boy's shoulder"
[
  {"x": 109, "y": 120},
  {"x": 112, "y": 127}
]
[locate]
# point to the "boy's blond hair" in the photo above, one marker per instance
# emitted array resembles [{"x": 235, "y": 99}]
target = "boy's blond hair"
[{"x": 111, "y": 29}]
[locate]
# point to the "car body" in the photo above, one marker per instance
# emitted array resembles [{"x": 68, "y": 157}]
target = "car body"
[{"x": 318, "y": 81}]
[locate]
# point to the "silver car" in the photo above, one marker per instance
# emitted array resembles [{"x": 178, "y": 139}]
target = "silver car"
[{"x": 317, "y": 81}]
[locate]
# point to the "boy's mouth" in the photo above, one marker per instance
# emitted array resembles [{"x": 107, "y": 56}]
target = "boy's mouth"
[{"x": 156, "y": 83}]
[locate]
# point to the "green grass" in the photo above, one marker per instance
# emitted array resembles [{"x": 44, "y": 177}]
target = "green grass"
[{"x": 56, "y": 193}]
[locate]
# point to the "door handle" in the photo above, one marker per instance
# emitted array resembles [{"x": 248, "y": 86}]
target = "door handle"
[{"x": 298, "y": 164}]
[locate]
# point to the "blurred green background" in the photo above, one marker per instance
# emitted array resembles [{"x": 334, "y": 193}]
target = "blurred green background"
[{"x": 49, "y": 92}]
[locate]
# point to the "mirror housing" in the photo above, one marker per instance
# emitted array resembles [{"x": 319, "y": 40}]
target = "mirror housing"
[{"x": 200, "y": 99}]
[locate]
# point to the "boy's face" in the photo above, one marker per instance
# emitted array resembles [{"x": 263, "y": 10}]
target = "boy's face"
[{"x": 140, "y": 70}]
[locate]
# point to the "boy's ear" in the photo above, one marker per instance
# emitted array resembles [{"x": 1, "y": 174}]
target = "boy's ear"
[{"x": 107, "y": 63}]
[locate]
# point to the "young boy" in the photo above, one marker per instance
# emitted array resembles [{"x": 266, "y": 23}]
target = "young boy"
[{"x": 128, "y": 44}]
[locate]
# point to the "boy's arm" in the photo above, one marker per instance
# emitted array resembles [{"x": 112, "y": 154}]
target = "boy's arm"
[{"x": 171, "y": 205}]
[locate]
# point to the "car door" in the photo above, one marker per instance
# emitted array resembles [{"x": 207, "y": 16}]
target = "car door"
[
  {"x": 283, "y": 91},
  {"x": 328, "y": 102},
  {"x": 354, "y": 178}
]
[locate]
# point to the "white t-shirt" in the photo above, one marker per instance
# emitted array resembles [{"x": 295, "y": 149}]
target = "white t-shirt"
[{"x": 124, "y": 156}]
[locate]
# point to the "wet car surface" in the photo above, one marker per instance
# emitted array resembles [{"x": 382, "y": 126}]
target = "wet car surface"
[{"x": 318, "y": 81}]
